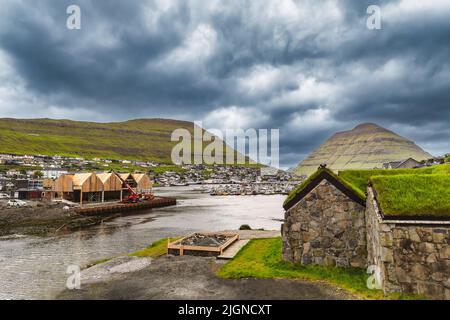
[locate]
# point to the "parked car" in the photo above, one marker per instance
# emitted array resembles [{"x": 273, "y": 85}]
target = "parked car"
[
  {"x": 4, "y": 196},
  {"x": 14, "y": 203}
]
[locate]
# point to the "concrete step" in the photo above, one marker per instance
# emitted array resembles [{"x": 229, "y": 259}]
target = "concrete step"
[{"x": 232, "y": 250}]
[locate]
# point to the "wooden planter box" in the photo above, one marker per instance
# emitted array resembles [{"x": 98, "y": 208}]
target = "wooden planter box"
[{"x": 177, "y": 249}]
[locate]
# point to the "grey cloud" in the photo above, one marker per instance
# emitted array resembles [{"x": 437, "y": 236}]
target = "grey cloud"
[{"x": 135, "y": 59}]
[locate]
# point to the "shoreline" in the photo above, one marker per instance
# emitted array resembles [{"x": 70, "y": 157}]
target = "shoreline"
[
  {"x": 189, "y": 277},
  {"x": 44, "y": 219}
]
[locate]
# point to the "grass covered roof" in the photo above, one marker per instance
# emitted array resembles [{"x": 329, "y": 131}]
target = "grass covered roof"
[
  {"x": 360, "y": 178},
  {"x": 313, "y": 180},
  {"x": 413, "y": 196},
  {"x": 356, "y": 181}
]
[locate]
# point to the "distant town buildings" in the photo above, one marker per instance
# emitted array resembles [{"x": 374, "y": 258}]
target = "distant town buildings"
[
  {"x": 53, "y": 173},
  {"x": 409, "y": 163}
]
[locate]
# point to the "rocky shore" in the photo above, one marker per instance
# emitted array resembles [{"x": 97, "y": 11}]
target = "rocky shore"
[{"x": 43, "y": 219}]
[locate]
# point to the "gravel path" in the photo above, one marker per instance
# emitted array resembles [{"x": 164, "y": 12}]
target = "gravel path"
[{"x": 190, "y": 277}]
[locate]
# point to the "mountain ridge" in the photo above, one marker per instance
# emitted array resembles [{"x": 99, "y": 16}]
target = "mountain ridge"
[
  {"x": 135, "y": 139},
  {"x": 366, "y": 146}
]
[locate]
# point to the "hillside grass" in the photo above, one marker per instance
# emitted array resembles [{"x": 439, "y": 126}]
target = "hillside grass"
[
  {"x": 261, "y": 258},
  {"x": 413, "y": 195},
  {"x": 141, "y": 139}
]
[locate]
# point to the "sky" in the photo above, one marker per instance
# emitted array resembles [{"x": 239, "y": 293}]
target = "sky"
[{"x": 308, "y": 68}]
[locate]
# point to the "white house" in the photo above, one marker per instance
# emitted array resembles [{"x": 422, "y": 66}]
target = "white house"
[{"x": 53, "y": 173}]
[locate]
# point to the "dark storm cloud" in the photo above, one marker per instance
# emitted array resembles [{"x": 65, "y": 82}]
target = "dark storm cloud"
[{"x": 309, "y": 68}]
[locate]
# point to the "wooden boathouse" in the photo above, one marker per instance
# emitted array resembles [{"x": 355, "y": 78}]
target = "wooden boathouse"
[{"x": 93, "y": 187}]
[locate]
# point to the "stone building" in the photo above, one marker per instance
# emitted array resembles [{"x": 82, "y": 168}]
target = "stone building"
[
  {"x": 324, "y": 223},
  {"x": 330, "y": 222},
  {"x": 411, "y": 255}
]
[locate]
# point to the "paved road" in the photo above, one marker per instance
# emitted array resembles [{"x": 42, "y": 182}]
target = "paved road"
[{"x": 191, "y": 277}]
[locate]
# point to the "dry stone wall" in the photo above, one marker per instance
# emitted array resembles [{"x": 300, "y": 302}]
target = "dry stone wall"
[
  {"x": 412, "y": 257},
  {"x": 325, "y": 228}
]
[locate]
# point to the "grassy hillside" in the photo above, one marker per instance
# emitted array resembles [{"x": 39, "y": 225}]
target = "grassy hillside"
[
  {"x": 366, "y": 146},
  {"x": 142, "y": 139}
]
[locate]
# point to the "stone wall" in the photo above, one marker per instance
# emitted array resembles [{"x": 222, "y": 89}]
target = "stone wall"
[
  {"x": 325, "y": 228},
  {"x": 412, "y": 257}
]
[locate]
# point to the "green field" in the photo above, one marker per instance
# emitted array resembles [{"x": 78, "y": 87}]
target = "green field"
[
  {"x": 156, "y": 249},
  {"x": 142, "y": 139}
]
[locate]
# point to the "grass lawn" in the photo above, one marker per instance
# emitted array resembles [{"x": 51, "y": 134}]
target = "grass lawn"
[
  {"x": 261, "y": 258},
  {"x": 413, "y": 195},
  {"x": 156, "y": 249}
]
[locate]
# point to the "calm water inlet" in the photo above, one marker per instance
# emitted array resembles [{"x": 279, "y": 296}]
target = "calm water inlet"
[{"x": 34, "y": 268}]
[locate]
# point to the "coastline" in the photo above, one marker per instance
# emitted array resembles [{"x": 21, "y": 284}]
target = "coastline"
[
  {"x": 189, "y": 277},
  {"x": 43, "y": 219}
]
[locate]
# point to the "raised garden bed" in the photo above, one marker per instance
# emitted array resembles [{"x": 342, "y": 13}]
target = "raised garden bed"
[{"x": 202, "y": 244}]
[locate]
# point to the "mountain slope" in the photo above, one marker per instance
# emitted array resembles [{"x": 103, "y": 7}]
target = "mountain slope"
[
  {"x": 366, "y": 146},
  {"x": 142, "y": 139}
]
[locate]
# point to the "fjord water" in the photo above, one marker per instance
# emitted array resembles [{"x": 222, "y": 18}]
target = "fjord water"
[{"x": 35, "y": 268}]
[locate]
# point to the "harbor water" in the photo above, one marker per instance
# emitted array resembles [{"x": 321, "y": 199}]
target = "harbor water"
[{"x": 35, "y": 268}]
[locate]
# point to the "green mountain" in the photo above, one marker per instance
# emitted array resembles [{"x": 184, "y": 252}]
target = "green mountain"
[
  {"x": 141, "y": 139},
  {"x": 366, "y": 146}
]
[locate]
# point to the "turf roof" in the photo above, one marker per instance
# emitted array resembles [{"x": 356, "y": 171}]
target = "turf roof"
[
  {"x": 313, "y": 180},
  {"x": 360, "y": 178},
  {"x": 419, "y": 196}
]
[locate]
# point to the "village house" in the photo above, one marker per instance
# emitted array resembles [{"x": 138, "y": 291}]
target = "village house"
[
  {"x": 409, "y": 163},
  {"x": 112, "y": 186},
  {"x": 142, "y": 182},
  {"x": 78, "y": 187},
  {"x": 410, "y": 243},
  {"x": 28, "y": 189},
  {"x": 53, "y": 173},
  {"x": 324, "y": 223},
  {"x": 329, "y": 221}
]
